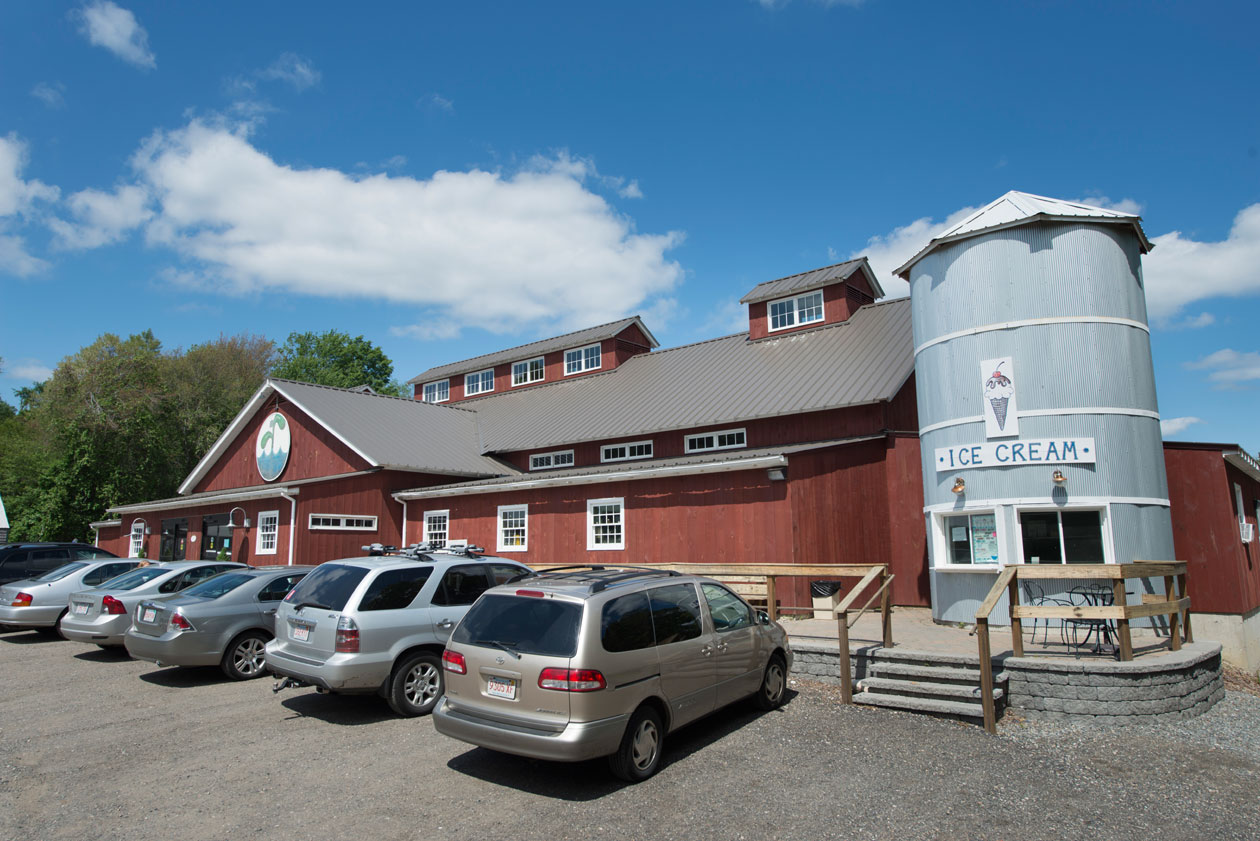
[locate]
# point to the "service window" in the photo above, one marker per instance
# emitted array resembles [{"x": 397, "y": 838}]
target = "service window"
[
  {"x": 627, "y": 624},
  {"x": 1057, "y": 537},
  {"x": 461, "y": 585},
  {"x": 278, "y": 588},
  {"x": 675, "y": 613},
  {"x": 728, "y": 611},
  {"x": 395, "y": 589}
]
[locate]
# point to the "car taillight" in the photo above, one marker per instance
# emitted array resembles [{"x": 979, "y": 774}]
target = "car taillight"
[
  {"x": 537, "y": 594},
  {"x": 112, "y": 606},
  {"x": 21, "y": 600},
  {"x": 179, "y": 623},
  {"x": 453, "y": 661},
  {"x": 347, "y": 636},
  {"x": 571, "y": 680}
]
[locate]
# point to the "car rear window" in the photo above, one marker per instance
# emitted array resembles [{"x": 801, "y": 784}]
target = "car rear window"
[
  {"x": 61, "y": 572},
  {"x": 525, "y": 624},
  {"x": 394, "y": 589},
  {"x": 219, "y": 585},
  {"x": 132, "y": 580},
  {"x": 627, "y": 624},
  {"x": 329, "y": 586}
]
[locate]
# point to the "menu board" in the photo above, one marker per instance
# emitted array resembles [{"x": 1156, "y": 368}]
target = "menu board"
[{"x": 984, "y": 542}]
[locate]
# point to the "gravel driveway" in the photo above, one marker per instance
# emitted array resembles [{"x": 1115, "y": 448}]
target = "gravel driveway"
[{"x": 96, "y": 746}]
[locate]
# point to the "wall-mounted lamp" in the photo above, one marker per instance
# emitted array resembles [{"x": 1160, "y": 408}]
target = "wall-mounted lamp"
[
  {"x": 959, "y": 485},
  {"x": 776, "y": 474},
  {"x": 1058, "y": 477},
  {"x": 231, "y": 523}
]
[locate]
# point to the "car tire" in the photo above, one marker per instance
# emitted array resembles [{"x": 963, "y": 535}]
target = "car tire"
[
  {"x": 415, "y": 685},
  {"x": 54, "y": 630},
  {"x": 773, "y": 687},
  {"x": 639, "y": 755},
  {"x": 243, "y": 659},
  {"x": 57, "y": 625}
]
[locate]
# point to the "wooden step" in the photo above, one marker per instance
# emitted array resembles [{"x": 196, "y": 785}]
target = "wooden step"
[
  {"x": 947, "y": 691},
  {"x": 920, "y": 705}
]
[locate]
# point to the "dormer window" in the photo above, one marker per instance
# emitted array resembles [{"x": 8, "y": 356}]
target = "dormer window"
[
  {"x": 793, "y": 312},
  {"x": 438, "y": 392},
  {"x": 529, "y": 371},
  {"x": 551, "y": 461},
  {"x": 581, "y": 359},
  {"x": 481, "y": 382},
  {"x": 726, "y": 439}
]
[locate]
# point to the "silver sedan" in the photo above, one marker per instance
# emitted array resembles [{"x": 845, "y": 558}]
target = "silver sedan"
[
  {"x": 224, "y": 621},
  {"x": 42, "y": 602},
  {"x": 103, "y": 614}
]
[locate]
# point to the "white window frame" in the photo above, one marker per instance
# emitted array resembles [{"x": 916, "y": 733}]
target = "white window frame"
[
  {"x": 797, "y": 309},
  {"x": 475, "y": 377},
  {"x": 583, "y": 367},
  {"x": 1238, "y": 504},
  {"x": 1104, "y": 522},
  {"x": 523, "y": 510},
  {"x": 620, "y": 502},
  {"x": 310, "y": 522},
  {"x": 542, "y": 360},
  {"x": 446, "y": 532},
  {"x": 137, "y": 538},
  {"x": 716, "y": 446},
  {"x": 604, "y": 457},
  {"x": 436, "y": 386},
  {"x": 536, "y": 458},
  {"x": 942, "y": 555},
  {"x": 265, "y": 531}
]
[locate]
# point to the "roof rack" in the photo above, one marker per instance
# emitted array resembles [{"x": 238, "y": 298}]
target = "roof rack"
[
  {"x": 631, "y": 572},
  {"x": 415, "y": 550}
]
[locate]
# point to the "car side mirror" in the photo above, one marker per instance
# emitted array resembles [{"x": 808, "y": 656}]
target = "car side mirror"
[{"x": 763, "y": 617}]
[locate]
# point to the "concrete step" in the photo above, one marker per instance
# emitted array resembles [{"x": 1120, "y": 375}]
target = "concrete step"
[
  {"x": 941, "y": 691},
  {"x": 921, "y": 705},
  {"x": 936, "y": 674}
]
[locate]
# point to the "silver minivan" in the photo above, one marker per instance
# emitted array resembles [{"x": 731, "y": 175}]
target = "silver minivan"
[
  {"x": 379, "y": 624},
  {"x": 596, "y": 661}
]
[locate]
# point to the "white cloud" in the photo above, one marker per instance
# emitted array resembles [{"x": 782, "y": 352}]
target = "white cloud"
[
  {"x": 1194, "y": 322},
  {"x": 19, "y": 199},
  {"x": 505, "y": 251},
  {"x": 1182, "y": 270},
  {"x": 1169, "y": 427},
  {"x": 294, "y": 69},
  {"x": 1229, "y": 367},
  {"x": 27, "y": 369},
  {"x": 889, "y": 251},
  {"x": 434, "y": 100},
  {"x": 631, "y": 191},
  {"x": 51, "y": 94},
  {"x": 103, "y": 218},
  {"x": 110, "y": 26}
]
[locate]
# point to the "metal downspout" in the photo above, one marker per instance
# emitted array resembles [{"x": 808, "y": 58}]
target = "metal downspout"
[{"x": 292, "y": 523}]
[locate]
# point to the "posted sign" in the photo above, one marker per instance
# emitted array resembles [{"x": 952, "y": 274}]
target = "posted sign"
[{"x": 1017, "y": 453}]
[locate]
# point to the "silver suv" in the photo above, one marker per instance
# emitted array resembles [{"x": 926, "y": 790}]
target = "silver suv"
[
  {"x": 592, "y": 661},
  {"x": 379, "y": 624}
]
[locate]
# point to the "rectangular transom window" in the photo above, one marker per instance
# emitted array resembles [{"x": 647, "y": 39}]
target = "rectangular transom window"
[
  {"x": 268, "y": 532},
  {"x": 581, "y": 359},
  {"x": 438, "y": 392},
  {"x": 726, "y": 439},
  {"x": 1058, "y": 537},
  {"x": 792, "y": 312},
  {"x": 436, "y": 528},
  {"x": 479, "y": 383},
  {"x": 342, "y": 522},
  {"x": 513, "y": 528},
  {"x": 605, "y": 524},
  {"x": 550, "y": 461},
  {"x": 529, "y": 371},
  {"x": 626, "y": 452}
]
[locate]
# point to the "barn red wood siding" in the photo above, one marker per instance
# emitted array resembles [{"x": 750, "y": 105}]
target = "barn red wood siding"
[
  {"x": 839, "y": 302},
  {"x": 313, "y": 452}
]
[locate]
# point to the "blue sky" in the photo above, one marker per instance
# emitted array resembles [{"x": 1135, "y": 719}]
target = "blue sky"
[{"x": 450, "y": 179}]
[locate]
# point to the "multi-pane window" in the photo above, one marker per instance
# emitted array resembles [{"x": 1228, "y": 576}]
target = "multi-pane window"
[
  {"x": 581, "y": 359},
  {"x": 479, "y": 383},
  {"x": 726, "y": 439},
  {"x": 137, "y": 538},
  {"x": 336, "y": 521},
  {"x": 626, "y": 452},
  {"x": 268, "y": 532},
  {"x": 792, "y": 312},
  {"x": 972, "y": 538},
  {"x": 605, "y": 524},
  {"x": 438, "y": 392},
  {"x": 436, "y": 528},
  {"x": 529, "y": 371},
  {"x": 550, "y": 461},
  {"x": 1062, "y": 537},
  {"x": 513, "y": 528}
]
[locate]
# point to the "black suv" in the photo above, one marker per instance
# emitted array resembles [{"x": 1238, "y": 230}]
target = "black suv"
[{"x": 31, "y": 560}]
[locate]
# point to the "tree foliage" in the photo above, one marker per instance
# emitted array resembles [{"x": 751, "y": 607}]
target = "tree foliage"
[{"x": 334, "y": 358}]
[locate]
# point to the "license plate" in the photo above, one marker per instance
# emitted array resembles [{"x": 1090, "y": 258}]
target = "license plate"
[
  {"x": 80, "y": 607},
  {"x": 501, "y": 687},
  {"x": 149, "y": 615},
  {"x": 301, "y": 633}
]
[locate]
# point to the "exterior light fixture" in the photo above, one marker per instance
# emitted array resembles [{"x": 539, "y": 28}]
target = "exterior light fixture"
[
  {"x": 960, "y": 486},
  {"x": 776, "y": 474},
  {"x": 1058, "y": 477},
  {"x": 232, "y": 523}
]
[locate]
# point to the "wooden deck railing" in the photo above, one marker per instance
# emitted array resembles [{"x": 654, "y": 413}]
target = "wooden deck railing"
[{"x": 1174, "y": 604}]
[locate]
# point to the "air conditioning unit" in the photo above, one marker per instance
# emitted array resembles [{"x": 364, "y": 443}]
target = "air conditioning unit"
[{"x": 1248, "y": 531}]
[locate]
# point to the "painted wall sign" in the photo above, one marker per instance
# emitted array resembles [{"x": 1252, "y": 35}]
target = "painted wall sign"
[
  {"x": 271, "y": 451},
  {"x": 1014, "y": 453},
  {"x": 997, "y": 379}
]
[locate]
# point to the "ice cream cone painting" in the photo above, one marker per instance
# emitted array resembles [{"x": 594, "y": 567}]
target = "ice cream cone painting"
[{"x": 997, "y": 377}]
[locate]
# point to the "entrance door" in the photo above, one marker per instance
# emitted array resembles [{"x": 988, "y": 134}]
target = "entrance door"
[
  {"x": 174, "y": 545},
  {"x": 215, "y": 535}
]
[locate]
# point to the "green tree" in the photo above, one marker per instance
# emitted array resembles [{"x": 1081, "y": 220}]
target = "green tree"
[{"x": 334, "y": 358}]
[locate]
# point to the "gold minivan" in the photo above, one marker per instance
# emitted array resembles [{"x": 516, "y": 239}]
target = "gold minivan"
[{"x": 590, "y": 661}]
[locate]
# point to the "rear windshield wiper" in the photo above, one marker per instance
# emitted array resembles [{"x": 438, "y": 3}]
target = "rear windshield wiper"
[
  {"x": 301, "y": 605},
  {"x": 502, "y": 646}
]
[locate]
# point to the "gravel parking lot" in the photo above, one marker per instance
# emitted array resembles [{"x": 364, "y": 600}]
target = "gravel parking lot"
[{"x": 94, "y": 745}]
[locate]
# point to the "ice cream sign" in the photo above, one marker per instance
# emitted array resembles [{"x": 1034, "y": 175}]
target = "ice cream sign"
[
  {"x": 1017, "y": 453},
  {"x": 271, "y": 450},
  {"x": 997, "y": 378}
]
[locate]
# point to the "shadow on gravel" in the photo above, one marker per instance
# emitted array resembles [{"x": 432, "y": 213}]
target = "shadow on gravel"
[
  {"x": 347, "y": 710},
  {"x": 104, "y": 655},
  {"x": 28, "y": 638},
  {"x": 582, "y": 781},
  {"x": 184, "y": 677}
]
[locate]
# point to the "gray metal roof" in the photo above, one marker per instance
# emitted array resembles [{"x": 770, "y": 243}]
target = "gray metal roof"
[
  {"x": 533, "y": 349},
  {"x": 863, "y": 360},
  {"x": 813, "y": 279}
]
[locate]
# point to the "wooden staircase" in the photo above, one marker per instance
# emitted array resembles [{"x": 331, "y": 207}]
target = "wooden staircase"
[{"x": 927, "y": 682}]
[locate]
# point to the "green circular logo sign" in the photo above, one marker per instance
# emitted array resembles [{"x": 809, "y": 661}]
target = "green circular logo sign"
[{"x": 271, "y": 451}]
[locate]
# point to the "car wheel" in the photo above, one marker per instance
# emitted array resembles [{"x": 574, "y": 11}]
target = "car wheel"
[
  {"x": 60, "y": 632},
  {"x": 244, "y": 656},
  {"x": 416, "y": 685},
  {"x": 773, "y": 685},
  {"x": 639, "y": 755},
  {"x": 54, "y": 630}
]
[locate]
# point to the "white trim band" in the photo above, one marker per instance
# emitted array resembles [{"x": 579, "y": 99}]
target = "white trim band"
[
  {"x": 1045, "y": 502},
  {"x": 1033, "y": 322},
  {"x": 1046, "y": 413},
  {"x": 233, "y": 496}
]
